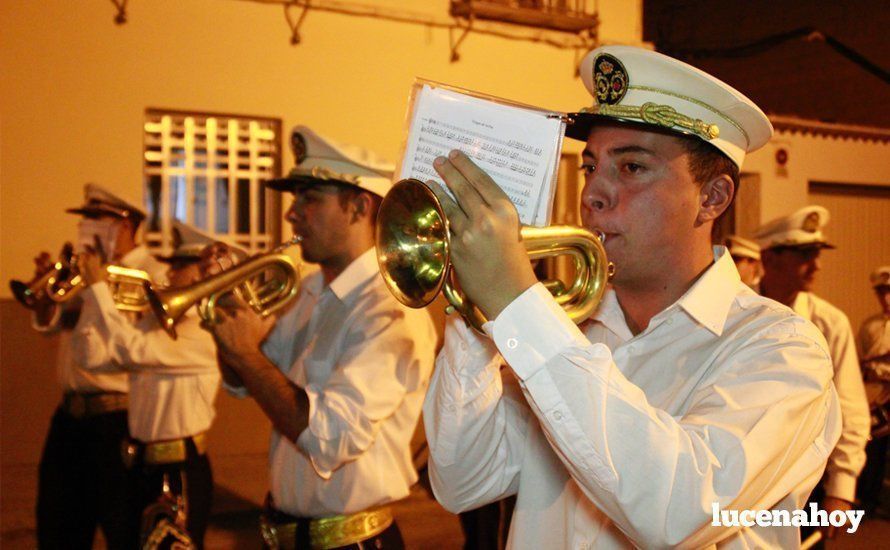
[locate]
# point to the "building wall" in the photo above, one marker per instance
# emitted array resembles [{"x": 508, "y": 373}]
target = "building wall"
[{"x": 75, "y": 87}]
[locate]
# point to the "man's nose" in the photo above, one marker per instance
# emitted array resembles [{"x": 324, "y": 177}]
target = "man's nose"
[{"x": 598, "y": 193}]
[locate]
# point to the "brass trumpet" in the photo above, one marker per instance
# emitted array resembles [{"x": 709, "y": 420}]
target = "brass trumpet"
[
  {"x": 413, "y": 253},
  {"x": 265, "y": 297},
  {"x": 63, "y": 282}
]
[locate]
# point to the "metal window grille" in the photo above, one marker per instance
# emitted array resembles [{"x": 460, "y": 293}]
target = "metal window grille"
[{"x": 209, "y": 171}]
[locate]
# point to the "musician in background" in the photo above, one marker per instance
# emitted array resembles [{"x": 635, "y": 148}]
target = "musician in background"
[
  {"x": 684, "y": 392},
  {"x": 82, "y": 481},
  {"x": 173, "y": 385},
  {"x": 746, "y": 255},
  {"x": 791, "y": 247},
  {"x": 874, "y": 353},
  {"x": 343, "y": 373}
]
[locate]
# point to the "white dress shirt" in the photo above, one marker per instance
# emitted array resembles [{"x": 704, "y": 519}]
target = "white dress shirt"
[
  {"x": 173, "y": 383},
  {"x": 848, "y": 457},
  {"x": 365, "y": 361},
  {"x": 612, "y": 440},
  {"x": 874, "y": 341},
  {"x": 73, "y": 350}
]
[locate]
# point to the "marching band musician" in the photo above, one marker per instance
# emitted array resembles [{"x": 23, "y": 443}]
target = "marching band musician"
[
  {"x": 173, "y": 385},
  {"x": 791, "y": 247},
  {"x": 874, "y": 353},
  {"x": 343, "y": 373},
  {"x": 82, "y": 480},
  {"x": 746, "y": 255},
  {"x": 685, "y": 393}
]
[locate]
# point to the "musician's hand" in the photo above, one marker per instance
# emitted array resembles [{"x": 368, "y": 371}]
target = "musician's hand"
[
  {"x": 489, "y": 258},
  {"x": 42, "y": 264},
  {"x": 830, "y": 504},
  {"x": 89, "y": 263},
  {"x": 239, "y": 332}
]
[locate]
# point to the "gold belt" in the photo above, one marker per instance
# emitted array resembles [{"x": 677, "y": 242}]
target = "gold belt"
[
  {"x": 85, "y": 405},
  {"x": 330, "y": 532},
  {"x": 166, "y": 452}
]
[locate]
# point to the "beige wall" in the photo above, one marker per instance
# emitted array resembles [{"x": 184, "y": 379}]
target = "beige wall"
[
  {"x": 75, "y": 87},
  {"x": 814, "y": 158}
]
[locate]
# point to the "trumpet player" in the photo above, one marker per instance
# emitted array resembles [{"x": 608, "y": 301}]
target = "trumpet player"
[
  {"x": 173, "y": 386},
  {"x": 684, "y": 394},
  {"x": 82, "y": 479},
  {"x": 343, "y": 372}
]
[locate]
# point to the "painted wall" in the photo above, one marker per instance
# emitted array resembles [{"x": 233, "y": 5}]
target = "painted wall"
[
  {"x": 75, "y": 88},
  {"x": 814, "y": 158}
]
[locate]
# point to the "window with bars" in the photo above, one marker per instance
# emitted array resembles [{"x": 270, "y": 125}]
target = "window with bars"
[{"x": 209, "y": 170}]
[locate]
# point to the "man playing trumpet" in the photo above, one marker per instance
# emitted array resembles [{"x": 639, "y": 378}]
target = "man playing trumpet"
[
  {"x": 685, "y": 393},
  {"x": 343, "y": 373},
  {"x": 82, "y": 481},
  {"x": 173, "y": 385}
]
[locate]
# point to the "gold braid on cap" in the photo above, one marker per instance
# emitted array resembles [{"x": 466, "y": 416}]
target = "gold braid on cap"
[
  {"x": 661, "y": 115},
  {"x": 322, "y": 173}
]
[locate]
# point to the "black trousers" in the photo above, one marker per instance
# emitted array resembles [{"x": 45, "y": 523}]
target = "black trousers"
[
  {"x": 871, "y": 480},
  {"x": 83, "y": 483},
  {"x": 192, "y": 479}
]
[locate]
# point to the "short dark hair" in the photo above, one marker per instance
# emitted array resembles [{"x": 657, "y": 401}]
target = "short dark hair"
[
  {"x": 706, "y": 162},
  {"x": 350, "y": 192}
]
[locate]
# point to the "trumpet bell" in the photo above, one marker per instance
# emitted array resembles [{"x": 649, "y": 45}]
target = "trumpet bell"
[
  {"x": 412, "y": 243},
  {"x": 413, "y": 252},
  {"x": 23, "y": 293}
]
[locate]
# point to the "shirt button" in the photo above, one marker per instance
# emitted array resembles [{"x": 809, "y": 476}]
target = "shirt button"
[
  {"x": 512, "y": 343},
  {"x": 463, "y": 346},
  {"x": 557, "y": 415},
  {"x": 631, "y": 349},
  {"x": 670, "y": 321}
]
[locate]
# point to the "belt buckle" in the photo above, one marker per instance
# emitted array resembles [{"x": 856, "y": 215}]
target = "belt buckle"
[
  {"x": 77, "y": 405},
  {"x": 129, "y": 450},
  {"x": 269, "y": 533}
]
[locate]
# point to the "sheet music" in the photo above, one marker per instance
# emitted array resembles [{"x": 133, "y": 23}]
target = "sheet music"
[{"x": 517, "y": 147}]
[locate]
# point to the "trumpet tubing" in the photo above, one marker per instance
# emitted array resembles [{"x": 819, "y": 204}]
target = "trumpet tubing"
[
  {"x": 63, "y": 283},
  {"x": 413, "y": 251},
  {"x": 280, "y": 287}
]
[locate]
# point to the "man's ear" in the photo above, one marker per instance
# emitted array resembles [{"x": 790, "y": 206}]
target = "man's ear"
[
  {"x": 715, "y": 198},
  {"x": 362, "y": 205}
]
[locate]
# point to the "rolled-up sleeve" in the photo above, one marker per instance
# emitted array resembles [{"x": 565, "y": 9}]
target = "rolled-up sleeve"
[
  {"x": 754, "y": 429},
  {"x": 384, "y": 358},
  {"x": 128, "y": 346}
]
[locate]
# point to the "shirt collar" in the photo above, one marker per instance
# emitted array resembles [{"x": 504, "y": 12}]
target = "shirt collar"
[
  {"x": 357, "y": 273},
  {"x": 707, "y": 301}
]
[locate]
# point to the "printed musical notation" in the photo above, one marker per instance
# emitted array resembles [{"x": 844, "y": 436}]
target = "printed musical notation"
[{"x": 517, "y": 147}]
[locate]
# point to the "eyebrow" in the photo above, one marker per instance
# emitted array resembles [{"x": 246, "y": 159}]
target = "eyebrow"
[{"x": 587, "y": 154}]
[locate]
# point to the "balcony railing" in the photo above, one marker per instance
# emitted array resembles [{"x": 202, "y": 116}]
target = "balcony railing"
[{"x": 563, "y": 15}]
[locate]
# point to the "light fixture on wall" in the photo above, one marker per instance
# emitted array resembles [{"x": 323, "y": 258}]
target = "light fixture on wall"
[{"x": 121, "y": 17}]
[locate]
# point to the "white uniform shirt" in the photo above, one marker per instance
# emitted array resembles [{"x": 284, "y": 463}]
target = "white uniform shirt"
[
  {"x": 173, "y": 383},
  {"x": 848, "y": 457},
  {"x": 72, "y": 354},
  {"x": 874, "y": 341},
  {"x": 365, "y": 362},
  {"x": 612, "y": 440}
]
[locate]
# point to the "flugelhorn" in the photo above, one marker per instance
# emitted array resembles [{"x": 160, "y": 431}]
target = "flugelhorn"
[
  {"x": 63, "y": 282},
  {"x": 413, "y": 253},
  {"x": 263, "y": 296}
]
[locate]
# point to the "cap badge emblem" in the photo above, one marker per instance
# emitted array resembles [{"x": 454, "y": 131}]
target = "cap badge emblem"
[
  {"x": 298, "y": 146},
  {"x": 610, "y": 78},
  {"x": 811, "y": 222}
]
